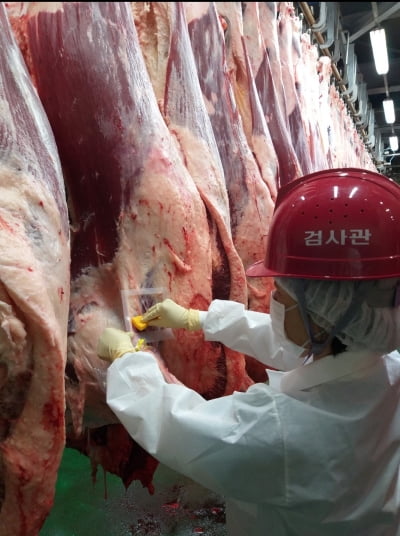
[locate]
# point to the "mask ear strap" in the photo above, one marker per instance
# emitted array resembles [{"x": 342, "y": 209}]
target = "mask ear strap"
[
  {"x": 396, "y": 299},
  {"x": 301, "y": 300},
  {"x": 344, "y": 320}
]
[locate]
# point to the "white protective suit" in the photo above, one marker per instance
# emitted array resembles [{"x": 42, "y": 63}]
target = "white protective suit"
[{"x": 316, "y": 452}]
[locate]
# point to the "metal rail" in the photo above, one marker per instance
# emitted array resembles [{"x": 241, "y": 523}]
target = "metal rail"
[{"x": 309, "y": 18}]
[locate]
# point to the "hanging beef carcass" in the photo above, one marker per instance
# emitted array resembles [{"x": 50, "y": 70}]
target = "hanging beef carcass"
[
  {"x": 163, "y": 35},
  {"x": 246, "y": 95},
  {"x": 251, "y": 205},
  {"x": 289, "y": 54},
  {"x": 34, "y": 299},
  {"x": 267, "y": 14},
  {"x": 165, "y": 43},
  {"x": 264, "y": 60},
  {"x": 308, "y": 88},
  {"x": 138, "y": 218}
]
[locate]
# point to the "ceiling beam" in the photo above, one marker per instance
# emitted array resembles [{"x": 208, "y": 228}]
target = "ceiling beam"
[
  {"x": 373, "y": 22},
  {"x": 389, "y": 130},
  {"x": 379, "y": 90}
]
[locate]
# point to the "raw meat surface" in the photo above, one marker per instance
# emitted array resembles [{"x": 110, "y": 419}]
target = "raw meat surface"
[
  {"x": 251, "y": 205},
  {"x": 267, "y": 30},
  {"x": 137, "y": 215},
  {"x": 246, "y": 96},
  {"x": 269, "y": 91},
  {"x": 173, "y": 72},
  {"x": 34, "y": 299},
  {"x": 289, "y": 46},
  {"x": 308, "y": 88}
]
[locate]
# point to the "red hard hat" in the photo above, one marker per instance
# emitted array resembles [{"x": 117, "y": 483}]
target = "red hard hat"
[{"x": 334, "y": 224}]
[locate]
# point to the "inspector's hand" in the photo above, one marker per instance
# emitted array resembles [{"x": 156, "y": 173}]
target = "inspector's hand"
[
  {"x": 113, "y": 343},
  {"x": 168, "y": 314}
]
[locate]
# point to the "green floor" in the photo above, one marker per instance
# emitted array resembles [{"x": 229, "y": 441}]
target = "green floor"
[{"x": 178, "y": 508}]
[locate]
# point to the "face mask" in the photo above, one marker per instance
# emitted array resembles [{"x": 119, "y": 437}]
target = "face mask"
[{"x": 291, "y": 353}]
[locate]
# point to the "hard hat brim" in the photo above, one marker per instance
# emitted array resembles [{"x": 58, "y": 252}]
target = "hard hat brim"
[{"x": 258, "y": 270}]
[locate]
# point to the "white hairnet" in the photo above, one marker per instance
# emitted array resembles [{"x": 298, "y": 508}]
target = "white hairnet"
[{"x": 376, "y": 323}]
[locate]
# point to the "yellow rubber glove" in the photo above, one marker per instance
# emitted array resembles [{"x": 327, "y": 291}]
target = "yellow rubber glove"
[
  {"x": 113, "y": 343},
  {"x": 168, "y": 314}
]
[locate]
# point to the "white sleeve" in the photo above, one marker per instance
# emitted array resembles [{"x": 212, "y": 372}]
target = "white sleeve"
[
  {"x": 222, "y": 443},
  {"x": 245, "y": 331}
]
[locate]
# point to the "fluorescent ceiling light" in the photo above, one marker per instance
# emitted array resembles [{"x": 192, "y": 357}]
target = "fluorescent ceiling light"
[
  {"x": 394, "y": 143},
  {"x": 388, "y": 109},
  {"x": 379, "y": 50}
]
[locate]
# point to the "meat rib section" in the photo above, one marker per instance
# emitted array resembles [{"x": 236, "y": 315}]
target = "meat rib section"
[{"x": 34, "y": 299}]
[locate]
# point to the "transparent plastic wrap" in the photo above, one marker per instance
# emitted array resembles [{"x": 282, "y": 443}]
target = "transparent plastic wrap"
[{"x": 135, "y": 302}]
